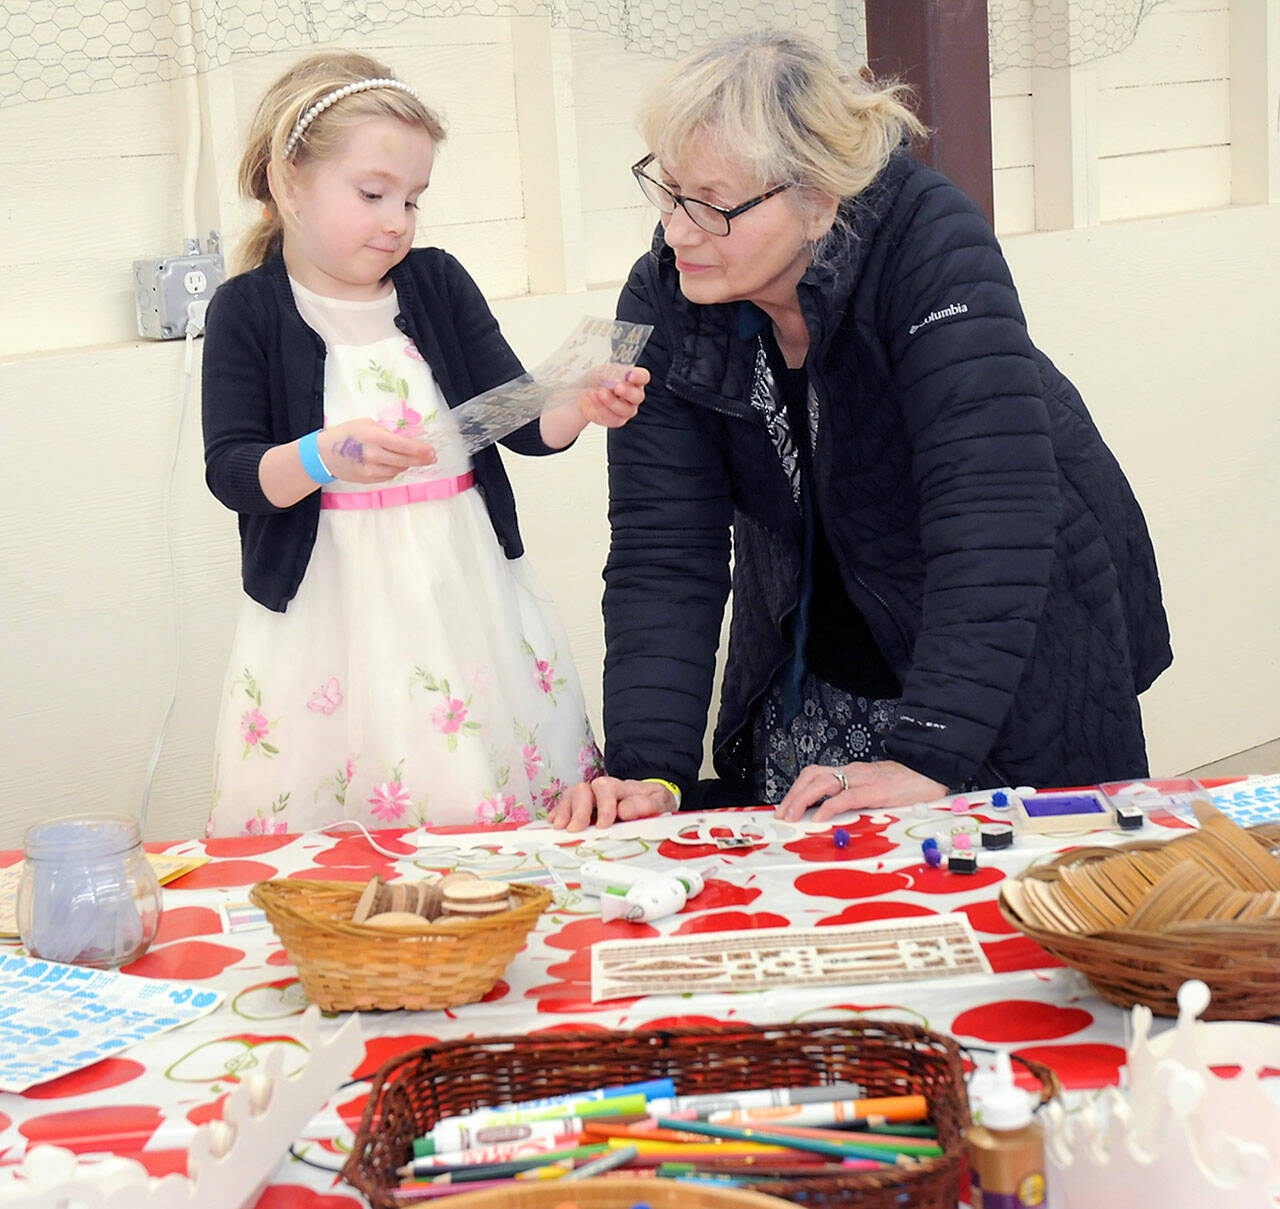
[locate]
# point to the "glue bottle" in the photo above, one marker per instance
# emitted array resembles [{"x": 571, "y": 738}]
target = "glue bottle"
[{"x": 1006, "y": 1147}]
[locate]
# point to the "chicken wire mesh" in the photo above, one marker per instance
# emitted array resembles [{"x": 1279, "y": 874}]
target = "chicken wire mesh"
[{"x": 52, "y": 48}]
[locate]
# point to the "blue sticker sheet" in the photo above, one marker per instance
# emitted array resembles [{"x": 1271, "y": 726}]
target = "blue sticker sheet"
[
  {"x": 55, "y": 1018},
  {"x": 1250, "y": 802}
]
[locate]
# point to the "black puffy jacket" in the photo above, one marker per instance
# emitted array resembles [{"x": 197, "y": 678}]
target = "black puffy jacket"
[{"x": 980, "y": 522}]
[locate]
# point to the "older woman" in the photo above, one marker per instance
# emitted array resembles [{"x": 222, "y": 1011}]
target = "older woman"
[{"x": 941, "y": 579}]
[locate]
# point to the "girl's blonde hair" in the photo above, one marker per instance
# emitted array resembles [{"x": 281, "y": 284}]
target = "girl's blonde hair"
[
  {"x": 278, "y": 112},
  {"x": 783, "y": 108}
]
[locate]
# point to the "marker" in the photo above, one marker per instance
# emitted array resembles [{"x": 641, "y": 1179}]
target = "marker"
[
  {"x": 490, "y": 1126},
  {"x": 832, "y": 1112},
  {"x": 503, "y": 1152},
  {"x": 648, "y": 1088},
  {"x": 762, "y": 1097},
  {"x": 418, "y": 1170}
]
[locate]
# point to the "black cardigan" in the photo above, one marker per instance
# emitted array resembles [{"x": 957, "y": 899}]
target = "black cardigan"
[
  {"x": 981, "y": 525},
  {"x": 263, "y": 385}
]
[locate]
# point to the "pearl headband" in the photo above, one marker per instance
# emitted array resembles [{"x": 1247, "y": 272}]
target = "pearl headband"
[{"x": 300, "y": 126}]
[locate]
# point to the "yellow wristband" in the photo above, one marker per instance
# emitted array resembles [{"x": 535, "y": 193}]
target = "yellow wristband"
[{"x": 675, "y": 789}]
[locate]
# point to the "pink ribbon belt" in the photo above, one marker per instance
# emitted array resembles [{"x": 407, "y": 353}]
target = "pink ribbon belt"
[{"x": 403, "y": 493}]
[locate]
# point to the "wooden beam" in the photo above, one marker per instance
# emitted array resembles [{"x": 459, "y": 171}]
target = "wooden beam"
[{"x": 939, "y": 47}]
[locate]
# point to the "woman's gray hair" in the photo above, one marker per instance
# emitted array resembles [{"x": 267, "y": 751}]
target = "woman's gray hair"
[{"x": 783, "y": 108}]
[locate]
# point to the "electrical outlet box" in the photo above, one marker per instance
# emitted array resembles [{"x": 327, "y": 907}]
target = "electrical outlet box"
[{"x": 164, "y": 289}]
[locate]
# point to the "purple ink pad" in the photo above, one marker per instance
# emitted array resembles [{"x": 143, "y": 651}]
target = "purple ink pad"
[{"x": 1045, "y": 805}]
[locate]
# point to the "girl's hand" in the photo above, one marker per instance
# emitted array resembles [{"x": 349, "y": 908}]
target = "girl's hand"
[
  {"x": 609, "y": 800},
  {"x": 363, "y": 451},
  {"x": 858, "y": 786},
  {"x": 613, "y": 403}
]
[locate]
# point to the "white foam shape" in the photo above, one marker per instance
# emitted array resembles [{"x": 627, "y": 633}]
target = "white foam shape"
[
  {"x": 229, "y": 1161},
  {"x": 1193, "y": 998}
]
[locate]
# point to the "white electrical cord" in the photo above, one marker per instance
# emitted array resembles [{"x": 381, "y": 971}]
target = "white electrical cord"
[{"x": 195, "y": 325}]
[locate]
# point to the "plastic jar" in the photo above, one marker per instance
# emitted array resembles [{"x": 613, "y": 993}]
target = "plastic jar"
[{"x": 88, "y": 894}]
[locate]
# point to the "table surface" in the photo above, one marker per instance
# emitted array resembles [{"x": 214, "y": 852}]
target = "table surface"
[{"x": 147, "y": 1102}]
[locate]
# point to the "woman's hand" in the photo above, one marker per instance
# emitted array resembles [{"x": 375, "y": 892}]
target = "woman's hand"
[
  {"x": 857, "y": 786},
  {"x": 610, "y": 800},
  {"x": 363, "y": 451},
  {"x": 610, "y": 404}
]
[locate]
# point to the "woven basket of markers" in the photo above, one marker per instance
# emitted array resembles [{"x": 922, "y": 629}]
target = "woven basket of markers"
[
  {"x": 1140, "y": 919},
  {"x": 386, "y": 946},
  {"x": 414, "y": 1091}
]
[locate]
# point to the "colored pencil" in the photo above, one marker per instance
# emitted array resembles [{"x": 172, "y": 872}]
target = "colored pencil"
[
  {"x": 500, "y": 1170},
  {"x": 703, "y": 1145},
  {"x": 606, "y": 1162},
  {"x": 918, "y": 1147},
  {"x": 839, "y": 1150}
]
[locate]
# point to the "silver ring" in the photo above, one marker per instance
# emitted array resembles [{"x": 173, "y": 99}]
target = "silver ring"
[{"x": 839, "y": 776}]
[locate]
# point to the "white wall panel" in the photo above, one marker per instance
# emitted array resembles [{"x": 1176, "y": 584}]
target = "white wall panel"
[{"x": 1165, "y": 182}]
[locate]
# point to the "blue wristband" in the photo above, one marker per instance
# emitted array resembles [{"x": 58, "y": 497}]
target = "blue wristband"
[{"x": 312, "y": 463}]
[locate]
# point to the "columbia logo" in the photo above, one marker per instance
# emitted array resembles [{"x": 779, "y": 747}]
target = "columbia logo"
[{"x": 956, "y": 308}]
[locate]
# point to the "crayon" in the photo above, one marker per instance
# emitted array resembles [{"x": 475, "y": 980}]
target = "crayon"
[
  {"x": 839, "y": 1150},
  {"x": 830, "y": 1112}
]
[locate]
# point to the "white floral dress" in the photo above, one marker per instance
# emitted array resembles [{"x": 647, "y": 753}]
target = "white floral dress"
[{"x": 418, "y": 676}]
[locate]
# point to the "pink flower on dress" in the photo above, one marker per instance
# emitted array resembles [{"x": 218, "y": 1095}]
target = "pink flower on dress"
[
  {"x": 389, "y": 801},
  {"x": 495, "y": 809},
  {"x": 519, "y": 815},
  {"x": 546, "y": 675},
  {"x": 254, "y": 726},
  {"x": 261, "y": 826},
  {"x": 351, "y": 769},
  {"x": 400, "y": 417},
  {"x": 551, "y": 794},
  {"x": 532, "y": 760},
  {"x": 411, "y": 351},
  {"x": 590, "y": 762},
  {"x": 449, "y": 716}
]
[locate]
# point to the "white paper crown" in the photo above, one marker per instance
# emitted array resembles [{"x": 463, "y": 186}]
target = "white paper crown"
[{"x": 1182, "y": 1137}]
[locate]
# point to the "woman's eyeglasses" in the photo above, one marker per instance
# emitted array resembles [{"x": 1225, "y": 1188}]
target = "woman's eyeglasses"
[{"x": 712, "y": 219}]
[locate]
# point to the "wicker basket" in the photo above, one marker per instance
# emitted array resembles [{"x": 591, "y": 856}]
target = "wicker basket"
[
  {"x": 1239, "y": 962},
  {"x": 615, "y": 1193},
  {"x": 415, "y": 1090},
  {"x": 348, "y": 967}
]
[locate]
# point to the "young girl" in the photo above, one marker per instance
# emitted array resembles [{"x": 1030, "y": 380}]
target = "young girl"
[{"x": 396, "y": 661}]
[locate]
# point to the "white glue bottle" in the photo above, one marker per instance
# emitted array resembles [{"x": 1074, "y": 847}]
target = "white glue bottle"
[{"x": 1006, "y": 1147}]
